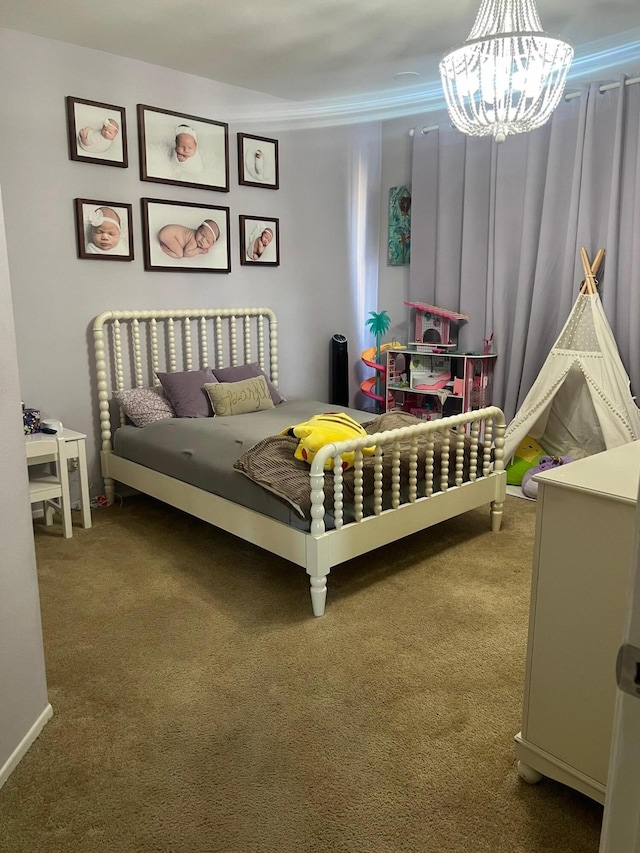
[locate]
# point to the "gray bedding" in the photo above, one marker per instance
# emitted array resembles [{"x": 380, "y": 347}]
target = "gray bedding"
[{"x": 202, "y": 451}]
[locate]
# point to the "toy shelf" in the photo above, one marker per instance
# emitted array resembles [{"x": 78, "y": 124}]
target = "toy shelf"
[{"x": 436, "y": 384}]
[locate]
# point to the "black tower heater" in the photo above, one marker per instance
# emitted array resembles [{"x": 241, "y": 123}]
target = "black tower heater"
[{"x": 339, "y": 371}]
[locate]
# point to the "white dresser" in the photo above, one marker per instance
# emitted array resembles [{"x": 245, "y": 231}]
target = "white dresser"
[{"x": 581, "y": 575}]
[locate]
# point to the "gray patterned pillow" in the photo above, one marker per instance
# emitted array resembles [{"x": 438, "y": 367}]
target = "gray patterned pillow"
[{"x": 144, "y": 405}]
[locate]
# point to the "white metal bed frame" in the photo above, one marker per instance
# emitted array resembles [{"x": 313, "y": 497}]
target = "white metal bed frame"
[{"x": 131, "y": 346}]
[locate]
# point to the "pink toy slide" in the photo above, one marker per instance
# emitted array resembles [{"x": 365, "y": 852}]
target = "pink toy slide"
[{"x": 368, "y": 356}]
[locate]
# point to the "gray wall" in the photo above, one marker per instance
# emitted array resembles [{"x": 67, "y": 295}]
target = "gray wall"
[
  {"x": 23, "y": 693},
  {"x": 397, "y": 154},
  {"x": 56, "y": 295},
  {"x": 393, "y": 282}
]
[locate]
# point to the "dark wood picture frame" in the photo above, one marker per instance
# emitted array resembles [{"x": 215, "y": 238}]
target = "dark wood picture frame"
[
  {"x": 258, "y": 164},
  {"x": 181, "y": 218},
  {"x": 98, "y": 221},
  {"x": 94, "y": 118},
  {"x": 251, "y": 253},
  {"x": 204, "y": 164}
]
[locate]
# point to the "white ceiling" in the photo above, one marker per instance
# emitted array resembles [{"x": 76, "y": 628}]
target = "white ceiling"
[{"x": 305, "y": 50}]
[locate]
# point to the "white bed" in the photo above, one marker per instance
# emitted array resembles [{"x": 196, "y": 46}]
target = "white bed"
[{"x": 132, "y": 346}]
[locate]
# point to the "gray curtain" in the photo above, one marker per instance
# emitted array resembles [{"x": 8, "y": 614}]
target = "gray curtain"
[{"x": 497, "y": 230}]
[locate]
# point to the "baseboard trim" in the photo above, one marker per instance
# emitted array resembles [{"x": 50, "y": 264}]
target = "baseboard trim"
[{"x": 21, "y": 750}]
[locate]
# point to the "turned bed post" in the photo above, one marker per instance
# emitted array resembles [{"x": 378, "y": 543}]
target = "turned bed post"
[
  {"x": 498, "y": 465},
  {"x": 103, "y": 397}
]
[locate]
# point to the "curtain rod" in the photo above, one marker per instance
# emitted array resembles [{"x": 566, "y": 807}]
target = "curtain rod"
[{"x": 604, "y": 88}]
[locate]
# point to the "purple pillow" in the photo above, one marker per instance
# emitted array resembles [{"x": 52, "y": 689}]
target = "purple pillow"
[
  {"x": 185, "y": 391},
  {"x": 248, "y": 371}
]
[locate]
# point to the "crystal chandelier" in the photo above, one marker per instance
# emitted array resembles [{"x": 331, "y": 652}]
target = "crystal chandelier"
[{"x": 508, "y": 76}]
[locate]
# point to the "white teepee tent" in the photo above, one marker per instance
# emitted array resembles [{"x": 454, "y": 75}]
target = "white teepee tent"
[{"x": 581, "y": 401}]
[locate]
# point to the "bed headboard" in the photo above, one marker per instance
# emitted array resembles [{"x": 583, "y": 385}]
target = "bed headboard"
[{"x": 131, "y": 346}]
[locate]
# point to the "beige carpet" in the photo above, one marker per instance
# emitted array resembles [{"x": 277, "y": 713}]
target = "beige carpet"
[{"x": 198, "y": 706}]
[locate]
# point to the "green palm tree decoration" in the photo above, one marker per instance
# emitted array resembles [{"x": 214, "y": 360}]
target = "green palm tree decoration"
[{"x": 378, "y": 325}]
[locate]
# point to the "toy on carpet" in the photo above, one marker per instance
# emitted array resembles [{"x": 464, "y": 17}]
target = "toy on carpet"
[
  {"x": 324, "y": 429},
  {"x": 546, "y": 463},
  {"x": 527, "y": 455}
]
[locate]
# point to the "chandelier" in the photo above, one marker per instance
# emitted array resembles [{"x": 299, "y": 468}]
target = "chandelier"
[{"x": 508, "y": 76}]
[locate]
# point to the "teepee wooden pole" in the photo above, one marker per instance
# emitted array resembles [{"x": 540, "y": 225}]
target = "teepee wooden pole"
[
  {"x": 597, "y": 262},
  {"x": 589, "y": 285}
]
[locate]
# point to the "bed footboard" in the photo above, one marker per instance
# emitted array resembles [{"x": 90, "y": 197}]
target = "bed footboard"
[
  {"x": 423, "y": 492},
  {"x": 458, "y": 435}
]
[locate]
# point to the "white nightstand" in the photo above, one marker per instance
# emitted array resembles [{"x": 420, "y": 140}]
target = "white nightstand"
[{"x": 47, "y": 488}]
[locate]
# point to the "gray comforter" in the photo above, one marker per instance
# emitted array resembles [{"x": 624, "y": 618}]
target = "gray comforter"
[
  {"x": 202, "y": 451},
  {"x": 244, "y": 458}
]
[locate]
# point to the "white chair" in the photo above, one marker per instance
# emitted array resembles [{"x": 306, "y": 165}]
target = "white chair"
[{"x": 50, "y": 489}]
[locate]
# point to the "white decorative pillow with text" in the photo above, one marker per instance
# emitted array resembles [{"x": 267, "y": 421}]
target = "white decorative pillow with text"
[{"x": 239, "y": 398}]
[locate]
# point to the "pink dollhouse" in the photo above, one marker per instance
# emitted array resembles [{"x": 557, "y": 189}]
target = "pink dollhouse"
[
  {"x": 429, "y": 377},
  {"x": 435, "y": 327}
]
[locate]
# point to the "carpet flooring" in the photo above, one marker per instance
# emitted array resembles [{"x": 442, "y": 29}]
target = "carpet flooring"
[{"x": 199, "y": 707}]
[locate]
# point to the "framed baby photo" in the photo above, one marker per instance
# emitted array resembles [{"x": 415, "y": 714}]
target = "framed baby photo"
[
  {"x": 97, "y": 132},
  {"x": 180, "y": 236},
  {"x": 184, "y": 150},
  {"x": 258, "y": 161},
  {"x": 259, "y": 241},
  {"x": 104, "y": 230}
]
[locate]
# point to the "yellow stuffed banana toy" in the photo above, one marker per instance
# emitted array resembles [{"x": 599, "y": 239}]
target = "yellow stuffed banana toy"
[{"x": 325, "y": 429}]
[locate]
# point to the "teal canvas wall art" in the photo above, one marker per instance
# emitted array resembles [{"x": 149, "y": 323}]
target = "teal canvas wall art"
[{"x": 399, "y": 252}]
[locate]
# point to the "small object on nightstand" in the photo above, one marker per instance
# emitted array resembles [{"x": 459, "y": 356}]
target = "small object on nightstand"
[
  {"x": 50, "y": 426},
  {"x": 30, "y": 420}
]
